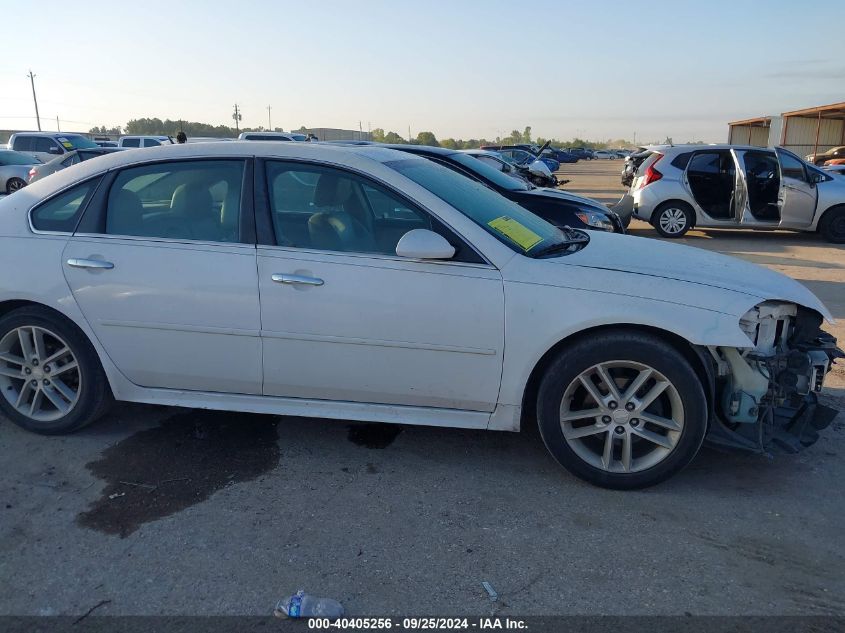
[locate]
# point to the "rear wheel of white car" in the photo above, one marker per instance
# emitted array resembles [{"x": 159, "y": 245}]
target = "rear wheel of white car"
[
  {"x": 51, "y": 381},
  {"x": 622, "y": 410},
  {"x": 832, "y": 225},
  {"x": 673, "y": 219},
  {"x": 13, "y": 184}
]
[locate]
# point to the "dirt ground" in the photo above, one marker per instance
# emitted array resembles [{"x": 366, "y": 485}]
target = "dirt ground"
[{"x": 817, "y": 264}]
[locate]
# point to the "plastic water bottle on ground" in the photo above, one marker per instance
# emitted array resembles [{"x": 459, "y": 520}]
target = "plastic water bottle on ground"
[{"x": 303, "y": 605}]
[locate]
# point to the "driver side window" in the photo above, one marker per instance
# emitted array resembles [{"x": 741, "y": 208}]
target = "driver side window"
[
  {"x": 791, "y": 167},
  {"x": 328, "y": 209}
]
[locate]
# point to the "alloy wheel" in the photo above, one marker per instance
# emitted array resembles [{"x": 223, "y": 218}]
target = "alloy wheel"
[
  {"x": 673, "y": 220},
  {"x": 15, "y": 184},
  {"x": 39, "y": 374},
  {"x": 622, "y": 416}
]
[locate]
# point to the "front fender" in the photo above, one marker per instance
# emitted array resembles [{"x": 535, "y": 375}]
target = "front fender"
[{"x": 538, "y": 317}]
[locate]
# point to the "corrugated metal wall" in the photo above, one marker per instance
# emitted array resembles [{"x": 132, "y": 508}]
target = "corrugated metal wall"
[
  {"x": 739, "y": 135},
  {"x": 801, "y": 134}
]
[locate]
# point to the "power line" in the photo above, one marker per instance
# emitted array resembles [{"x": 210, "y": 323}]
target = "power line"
[{"x": 32, "y": 81}]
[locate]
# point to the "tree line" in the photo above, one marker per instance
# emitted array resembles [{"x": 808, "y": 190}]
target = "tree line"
[
  {"x": 155, "y": 127},
  {"x": 169, "y": 127}
]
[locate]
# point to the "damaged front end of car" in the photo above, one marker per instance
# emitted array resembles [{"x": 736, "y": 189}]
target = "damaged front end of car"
[{"x": 766, "y": 396}]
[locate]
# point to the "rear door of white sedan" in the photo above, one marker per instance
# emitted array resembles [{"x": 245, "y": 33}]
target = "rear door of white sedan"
[
  {"x": 345, "y": 319},
  {"x": 163, "y": 266}
]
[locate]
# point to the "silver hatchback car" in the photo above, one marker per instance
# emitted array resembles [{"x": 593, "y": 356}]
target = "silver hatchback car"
[{"x": 728, "y": 186}]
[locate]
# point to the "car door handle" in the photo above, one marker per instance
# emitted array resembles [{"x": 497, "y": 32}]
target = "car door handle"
[
  {"x": 90, "y": 263},
  {"x": 298, "y": 280}
]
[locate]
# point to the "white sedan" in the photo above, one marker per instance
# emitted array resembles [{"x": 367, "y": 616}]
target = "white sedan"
[{"x": 361, "y": 283}]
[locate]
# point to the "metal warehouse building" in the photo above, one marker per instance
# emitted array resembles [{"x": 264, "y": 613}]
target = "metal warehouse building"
[{"x": 804, "y": 132}]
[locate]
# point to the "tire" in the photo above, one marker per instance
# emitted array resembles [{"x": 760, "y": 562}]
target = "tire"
[
  {"x": 56, "y": 396},
  {"x": 832, "y": 225},
  {"x": 673, "y": 218},
  {"x": 13, "y": 184},
  {"x": 655, "y": 451}
]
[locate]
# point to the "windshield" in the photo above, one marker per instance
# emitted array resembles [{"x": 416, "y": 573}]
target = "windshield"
[
  {"x": 74, "y": 141},
  {"x": 488, "y": 172},
  {"x": 514, "y": 226},
  {"x": 8, "y": 157}
]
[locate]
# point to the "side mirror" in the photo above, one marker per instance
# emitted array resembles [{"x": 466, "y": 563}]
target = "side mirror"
[
  {"x": 55, "y": 150},
  {"x": 424, "y": 244},
  {"x": 816, "y": 178}
]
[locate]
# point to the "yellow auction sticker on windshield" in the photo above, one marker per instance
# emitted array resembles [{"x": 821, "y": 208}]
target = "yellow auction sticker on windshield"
[{"x": 520, "y": 235}]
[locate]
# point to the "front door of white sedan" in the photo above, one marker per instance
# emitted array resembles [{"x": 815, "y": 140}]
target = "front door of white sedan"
[
  {"x": 800, "y": 195},
  {"x": 167, "y": 279},
  {"x": 345, "y": 319}
]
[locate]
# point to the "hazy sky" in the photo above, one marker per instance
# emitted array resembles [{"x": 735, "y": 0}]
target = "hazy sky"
[{"x": 460, "y": 68}]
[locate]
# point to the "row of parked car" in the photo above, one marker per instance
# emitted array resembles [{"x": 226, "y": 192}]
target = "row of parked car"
[
  {"x": 523, "y": 173},
  {"x": 399, "y": 284}
]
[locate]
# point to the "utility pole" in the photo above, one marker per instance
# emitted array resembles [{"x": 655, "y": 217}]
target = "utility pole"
[
  {"x": 58, "y": 127},
  {"x": 32, "y": 81},
  {"x": 409, "y": 133},
  {"x": 269, "y": 120},
  {"x": 237, "y": 117}
]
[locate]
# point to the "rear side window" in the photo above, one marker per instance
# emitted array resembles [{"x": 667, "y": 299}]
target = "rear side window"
[
  {"x": 705, "y": 163},
  {"x": 61, "y": 213},
  {"x": 190, "y": 200},
  {"x": 131, "y": 142},
  {"x": 681, "y": 160},
  {"x": 151, "y": 142},
  {"x": 23, "y": 143}
]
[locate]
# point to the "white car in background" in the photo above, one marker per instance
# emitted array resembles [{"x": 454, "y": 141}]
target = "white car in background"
[
  {"x": 730, "y": 186},
  {"x": 603, "y": 154},
  {"x": 363, "y": 283},
  {"x": 143, "y": 141},
  {"x": 45, "y": 146},
  {"x": 273, "y": 136}
]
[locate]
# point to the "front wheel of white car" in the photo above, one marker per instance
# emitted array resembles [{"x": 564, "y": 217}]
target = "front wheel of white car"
[
  {"x": 51, "y": 381},
  {"x": 622, "y": 410},
  {"x": 673, "y": 219}
]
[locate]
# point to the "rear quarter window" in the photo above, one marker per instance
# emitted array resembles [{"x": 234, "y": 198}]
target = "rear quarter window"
[
  {"x": 61, "y": 213},
  {"x": 681, "y": 160}
]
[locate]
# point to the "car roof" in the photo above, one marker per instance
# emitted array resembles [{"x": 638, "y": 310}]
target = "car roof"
[
  {"x": 343, "y": 155},
  {"x": 427, "y": 149},
  {"x": 51, "y": 134},
  {"x": 481, "y": 152}
]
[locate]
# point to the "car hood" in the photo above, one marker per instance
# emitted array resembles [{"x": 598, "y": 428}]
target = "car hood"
[
  {"x": 654, "y": 258},
  {"x": 560, "y": 194}
]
